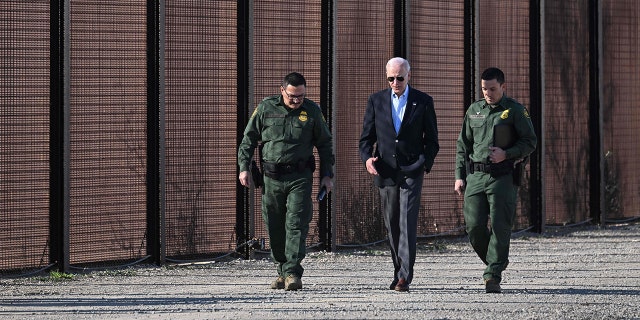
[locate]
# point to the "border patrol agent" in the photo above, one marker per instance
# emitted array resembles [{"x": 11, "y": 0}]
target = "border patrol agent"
[
  {"x": 288, "y": 126},
  {"x": 489, "y": 190}
]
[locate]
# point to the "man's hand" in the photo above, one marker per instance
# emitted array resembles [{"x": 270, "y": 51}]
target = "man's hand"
[
  {"x": 327, "y": 183},
  {"x": 459, "y": 187},
  {"x": 245, "y": 179},
  {"x": 497, "y": 155},
  {"x": 371, "y": 167}
]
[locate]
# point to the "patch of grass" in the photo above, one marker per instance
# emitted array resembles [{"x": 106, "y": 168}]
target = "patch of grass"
[{"x": 56, "y": 276}]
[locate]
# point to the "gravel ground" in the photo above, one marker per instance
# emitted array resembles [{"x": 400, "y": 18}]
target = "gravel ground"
[{"x": 578, "y": 273}]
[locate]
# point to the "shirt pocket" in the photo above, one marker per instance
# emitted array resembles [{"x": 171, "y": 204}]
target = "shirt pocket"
[
  {"x": 302, "y": 131},
  {"x": 477, "y": 123},
  {"x": 481, "y": 129},
  {"x": 273, "y": 127}
]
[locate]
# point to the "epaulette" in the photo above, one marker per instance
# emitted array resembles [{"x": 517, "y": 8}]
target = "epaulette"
[
  {"x": 273, "y": 97},
  {"x": 513, "y": 102},
  {"x": 315, "y": 105},
  {"x": 480, "y": 101}
]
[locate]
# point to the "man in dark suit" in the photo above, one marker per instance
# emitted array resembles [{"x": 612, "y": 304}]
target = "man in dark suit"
[{"x": 399, "y": 143}]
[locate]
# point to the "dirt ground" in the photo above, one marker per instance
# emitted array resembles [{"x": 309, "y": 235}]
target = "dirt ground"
[{"x": 574, "y": 273}]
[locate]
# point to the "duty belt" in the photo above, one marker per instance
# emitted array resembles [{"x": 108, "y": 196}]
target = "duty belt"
[
  {"x": 275, "y": 170},
  {"x": 289, "y": 167},
  {"x": 284, "y": 168},
  {"x": 482, "y": 167}
]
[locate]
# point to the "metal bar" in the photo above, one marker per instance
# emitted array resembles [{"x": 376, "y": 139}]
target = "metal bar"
[
  {"x": 400, "y": 28},
  {"x": 536, "y": 96},
  {"x": 155, "y": 121},
  {"x": 469, "y": 53},
  {"x": 325, "y": 217},
  {"x": 596, "y": 171},
  {"x": 59, "y": 153},
  {"x": 243, "y": 208}
]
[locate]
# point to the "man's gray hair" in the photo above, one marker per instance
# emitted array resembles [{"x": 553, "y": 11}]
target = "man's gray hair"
[{"x": 399, "y": 60}]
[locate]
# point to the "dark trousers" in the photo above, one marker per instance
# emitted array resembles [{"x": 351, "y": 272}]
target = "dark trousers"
[{"x": 400, "y": 207}]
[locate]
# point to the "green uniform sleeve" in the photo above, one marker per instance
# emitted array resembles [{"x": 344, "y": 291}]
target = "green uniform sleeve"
[
  {"x": 324, "y": 144},
  {"x": 527, "y": 141},
  {"x": 250, "y": 139}
]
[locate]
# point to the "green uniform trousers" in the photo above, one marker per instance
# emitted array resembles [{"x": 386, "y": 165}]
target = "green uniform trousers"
[
  {"x": 493, "y": 200},
  {"x": 287, "y": 211}
]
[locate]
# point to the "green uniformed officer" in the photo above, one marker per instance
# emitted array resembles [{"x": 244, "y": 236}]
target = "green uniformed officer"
[
  {"x": 489, "y": 190},
  {"x": 288, "y": 126}
]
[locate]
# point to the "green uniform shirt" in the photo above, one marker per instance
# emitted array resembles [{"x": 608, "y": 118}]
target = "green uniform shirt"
[
  {"x": 287, "y": 135},
  {"x": 476, "y": 135}
]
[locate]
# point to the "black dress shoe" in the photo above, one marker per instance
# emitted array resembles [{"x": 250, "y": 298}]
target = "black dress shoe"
[
  {"x": 402, "y": 285},
  {"x": 393, "y": 284},
  {"x": 492, "y": 286}
]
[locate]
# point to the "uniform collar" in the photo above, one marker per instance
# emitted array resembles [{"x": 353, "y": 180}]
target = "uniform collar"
[{"x": 500, "y": 103}]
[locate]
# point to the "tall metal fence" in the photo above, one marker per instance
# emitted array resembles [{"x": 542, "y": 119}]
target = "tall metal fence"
[{"x": 120, "y": 120}]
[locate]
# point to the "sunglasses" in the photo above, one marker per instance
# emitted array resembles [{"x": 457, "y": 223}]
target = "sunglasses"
[{"x": 391, "y": 79}]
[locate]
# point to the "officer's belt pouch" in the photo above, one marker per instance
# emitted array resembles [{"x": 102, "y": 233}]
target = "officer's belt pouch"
[
  {"x": 500, "y": 169},
  {"x": 518, "y": 172},
  {"x": 256, "y": 175},
  {"x": 270, "y": 170},
  {"x": 468, "y": 166}
]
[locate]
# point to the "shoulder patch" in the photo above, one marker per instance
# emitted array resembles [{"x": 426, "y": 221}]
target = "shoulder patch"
[{"x": 526, "y": 113}]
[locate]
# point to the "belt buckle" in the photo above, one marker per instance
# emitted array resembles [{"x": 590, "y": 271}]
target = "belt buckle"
[{"x": 482, "y": 167}]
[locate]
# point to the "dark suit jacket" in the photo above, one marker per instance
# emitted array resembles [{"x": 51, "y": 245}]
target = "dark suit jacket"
[{"x": 413, "y": 149}]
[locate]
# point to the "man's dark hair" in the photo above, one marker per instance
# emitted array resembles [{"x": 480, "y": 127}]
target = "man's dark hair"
[
  {"x": 493, "y": 73},
  {"x": 295, "y": 79}
]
